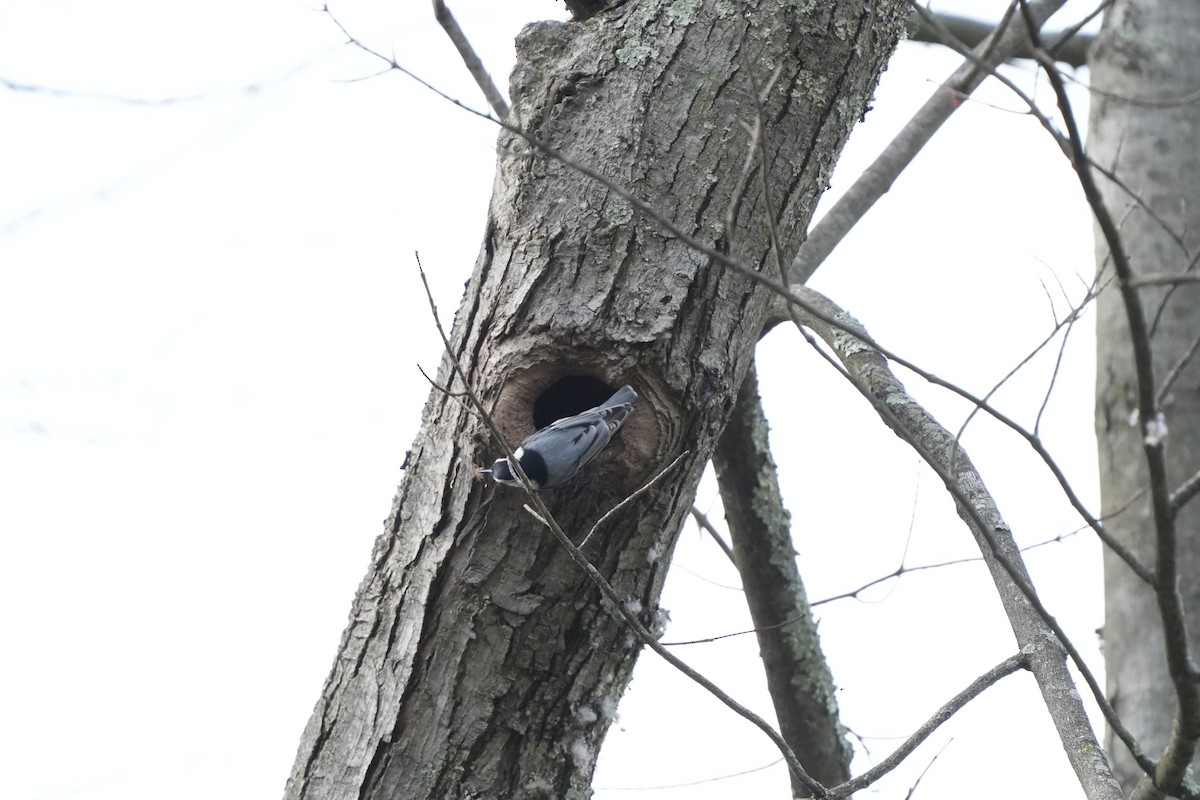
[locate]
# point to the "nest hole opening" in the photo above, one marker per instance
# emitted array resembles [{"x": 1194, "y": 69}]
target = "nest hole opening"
[{"x": 568, "y": 396}]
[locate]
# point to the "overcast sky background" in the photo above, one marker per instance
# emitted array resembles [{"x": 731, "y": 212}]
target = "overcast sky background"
[{"x": 210, "y": 326}]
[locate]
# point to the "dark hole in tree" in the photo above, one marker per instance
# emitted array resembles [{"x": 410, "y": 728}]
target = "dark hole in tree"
[{"x": 568, "y": 396}]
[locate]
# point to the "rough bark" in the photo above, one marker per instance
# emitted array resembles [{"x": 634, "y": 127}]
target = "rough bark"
[
  {"x": 798, "y": 677},
  {"x": 1144, "y": 123},
  {"x": 478, "y": 660}
]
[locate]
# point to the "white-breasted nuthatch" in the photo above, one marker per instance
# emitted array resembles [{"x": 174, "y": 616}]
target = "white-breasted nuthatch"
[{"x": 551, "y": 456}]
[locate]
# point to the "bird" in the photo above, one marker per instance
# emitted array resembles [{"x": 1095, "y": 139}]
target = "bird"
[{"x": 553, "y": 455}]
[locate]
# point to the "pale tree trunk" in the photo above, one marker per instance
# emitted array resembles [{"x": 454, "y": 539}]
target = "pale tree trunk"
[
  {"x": 1145, "y": 128},
  {"x": 479, "y": 660}
]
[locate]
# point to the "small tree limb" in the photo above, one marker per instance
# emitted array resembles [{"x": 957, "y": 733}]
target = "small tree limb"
[
  {"x": 878, "y": 178},
  {"x": 1070, "y": 47},
  {"x": 472, "y": 62}
]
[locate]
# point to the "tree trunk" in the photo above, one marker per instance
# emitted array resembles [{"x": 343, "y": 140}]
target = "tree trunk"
[
  {"x": 1144, "y": 124},
  {"x": 478, "y": 660}
]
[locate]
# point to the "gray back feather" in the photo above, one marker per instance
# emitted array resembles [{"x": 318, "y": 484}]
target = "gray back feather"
[{"x": 571, "y": 442}]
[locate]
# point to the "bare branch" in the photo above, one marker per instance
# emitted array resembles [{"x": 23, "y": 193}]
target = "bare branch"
[
  {"x": 765, "y": 172},
  {"x": 734, "y": 635},
  {"x": 1005, "y": 668},
  {"x": 704, "y": 523},
  {"x": 852, "y": 593},
  {"x": 913, "y": 789},
  {"x": 1189, "y": 489},
  {"x": 437, "y": 385},
  {"x": 398, "y": 67},
  {"x": 1035, "y": 628},
  {"x": 1028, "y": 357},
  {"x": 878, "y": 178},
  {"x": 698, "y": 782},
  {"x": 1058, "y": 361},
  {"x": 1071, "y": 35},
  {"x": 1070, "y": 46},
  {"x": 1175, "y": 371},
  {"x": 449, "y": 24},
  {"x": 739, "y": 188}
]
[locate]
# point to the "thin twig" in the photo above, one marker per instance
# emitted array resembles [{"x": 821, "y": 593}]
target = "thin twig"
[
  {"x": 1058, "y": 363},
  {"x": 1172, "y": 288},
  {"x": 1070, "y": 37},
  {"x": 438, "y": 386},
  {"x": 913, "y": 789},
  {"x": 1028, "y": 357},
  {"x": 698, "y": 782},
  {"x": 902, "y": 569},
  {"x": 633, "y": 496},
  {"x": 1176, "y": 371},
  {"x": 398, "y": 67},
  {"x": 705, "y": 524},
  {"x": 738, "y": 193},
  {"x": 853, "y": 593},
  {"x": 735, "y": 634}
]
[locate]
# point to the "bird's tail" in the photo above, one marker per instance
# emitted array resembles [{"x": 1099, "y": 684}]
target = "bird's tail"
[{"x": 624, "y": 395}]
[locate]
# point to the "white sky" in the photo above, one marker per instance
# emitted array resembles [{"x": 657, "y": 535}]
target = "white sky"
[{"x": 210, "y": 323}]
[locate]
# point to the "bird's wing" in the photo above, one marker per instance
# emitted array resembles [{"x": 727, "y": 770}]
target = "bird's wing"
[{"x": 569, "y": 443}]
